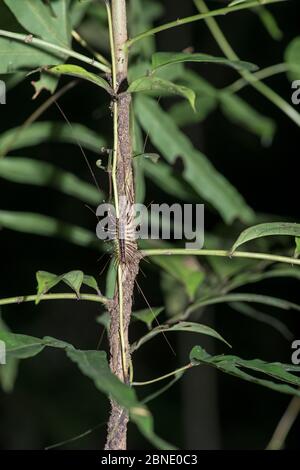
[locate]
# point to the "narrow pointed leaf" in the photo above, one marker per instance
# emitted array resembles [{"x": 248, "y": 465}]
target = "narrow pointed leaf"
[
  {"x": 28, "y": 171},
  {"x": 188, "y": 327},
  {"x": 267, "y": 230},
  {"x": 285, "y": 381},
  {"x": 161, "y": 86},
  {"x": 162, "y": 59},
  {"x": 80, "y": 72}
]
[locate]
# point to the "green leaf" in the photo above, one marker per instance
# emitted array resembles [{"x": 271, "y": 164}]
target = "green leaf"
[
  {"x": 80, "y": 72},
  {"x": 39, "y": 224},
  {"x": 241, "y": 113},
  {"x": 292, "y": 58},
  {"x": 91, "y": 282},
  {"x": 46, "y": 82},
  {"x": 40, "y": 132},
  {"x": 159, "y": 86},
  {"x": 94, "y": 365},
  {"x": 181, "y": 326},
  {"x": 27, "y": 171},
  {"x": 148, "y": 315},
  {"x": 233, "y": 365},
  {"x": 186, "y": 271},
  {"x": 49, "y": 23},
  {"x": 162, "y": 59},
  {"x": 198, "y": 171},
  {"x": 74, "y": 279},
  {"x": 8, "y": 371},
  {"x": 18, "y": 56},
  {"x": 164, "y": 177},
  {"x": 267, "y": 230},
  {"x": 181, "y": 112}
]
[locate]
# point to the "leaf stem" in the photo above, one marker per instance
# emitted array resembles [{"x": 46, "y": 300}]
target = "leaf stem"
[
  {"x": 30, "y": 40},
  {"x": 221, "y": 253},
  {"x": 32, "y": 298},
  {"x": 191, "y": 19},
  {"x": 158, "y": 379}
]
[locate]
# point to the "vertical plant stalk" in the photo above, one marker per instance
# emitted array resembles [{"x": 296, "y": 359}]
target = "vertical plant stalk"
[{"x": 124, "y": 197}]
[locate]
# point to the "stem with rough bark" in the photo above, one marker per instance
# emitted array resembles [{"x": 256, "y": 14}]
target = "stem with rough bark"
[{"x": 123, "y": 188}]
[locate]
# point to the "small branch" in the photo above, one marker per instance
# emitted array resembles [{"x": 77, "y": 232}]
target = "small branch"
[
  {"x": 252, "y": 79},
  {"x": 170, "y": 374},
  {"x": 32, "y": 298},
  {"x": 84, "y": 44},
  {"x": 191, "y": 19},
  {"x": 262, "y": 74},
  {"x": 221, "y": 253},
  {"x": 62, "y": 51},
  {"x": 284, "y": 426}
]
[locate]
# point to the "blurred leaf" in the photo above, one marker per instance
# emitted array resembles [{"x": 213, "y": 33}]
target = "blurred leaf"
[
  {"x": 148, "y": 315},
  {"x": 38, "y": 19},
  {"x": 159, "y": 85},
  {"x": 233, "y": 365},
  {"x": 266, "y": 230},
  {"x": 8, "y": 371},
  {"x": 141, "y": 15},
  {"x": 94, "y": 365},
  {"x": 104, "y": 320},
  {"x": 253, "y": 313},
  {"x": 269, "y": 22},
  {"x": 111, "y": 279},
  {"x": 186, "y": 271},
  {"x": 181, "y": 326},
  {"x": 297, "y": 250},
  {"x": 239, "y": 297},
  {"x": 241, "y": 113},
  {"x": 292, "y": 58},
  {"x": 44, "y": 131},
  {"x": 164, "y": 177},
  {"x": 50, "y": 23},
  {"x": 181, "y": 112},
  {"x": 39, "y": 224},
  {"x": 27, "y": 171},
  {"x": 80, "y": 72},
  {"x": 162, "y": 59},
  {"x": 198, "y": 171}
]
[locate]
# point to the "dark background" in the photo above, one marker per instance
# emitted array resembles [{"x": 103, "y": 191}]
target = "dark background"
[{"x": 52, "y": 401}]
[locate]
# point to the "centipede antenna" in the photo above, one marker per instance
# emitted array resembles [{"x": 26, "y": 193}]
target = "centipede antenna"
[
  {"x": 79, "y": 145},
  {"x": 154, "y": 317}
]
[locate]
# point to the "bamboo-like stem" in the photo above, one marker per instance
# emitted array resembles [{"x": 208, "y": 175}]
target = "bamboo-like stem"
[
  {"x": 61, "y": 51},
  {"x": 201, "y": 16},
  {"x": 123, "y": 189},
  {"x": 221, "y": 253},
  {"x": 32, "y": 298}
]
